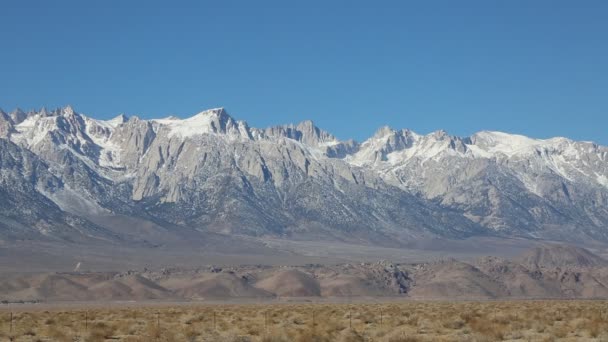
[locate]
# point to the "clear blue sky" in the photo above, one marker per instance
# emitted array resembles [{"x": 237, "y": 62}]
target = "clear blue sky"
[{"x": 535, "y": 67}]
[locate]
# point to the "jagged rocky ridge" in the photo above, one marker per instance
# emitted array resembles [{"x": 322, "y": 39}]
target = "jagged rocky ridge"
[{"x": 212, "y": 173}]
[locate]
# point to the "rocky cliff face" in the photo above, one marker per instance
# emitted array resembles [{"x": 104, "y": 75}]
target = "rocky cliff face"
[{"x": 212, "y": 173}]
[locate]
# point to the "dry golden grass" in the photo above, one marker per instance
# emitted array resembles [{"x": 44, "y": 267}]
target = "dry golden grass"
[{"x": 399, "y": 322}]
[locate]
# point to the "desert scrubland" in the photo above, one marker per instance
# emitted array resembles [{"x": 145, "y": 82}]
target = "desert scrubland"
[{"x": 399, "y": 321}]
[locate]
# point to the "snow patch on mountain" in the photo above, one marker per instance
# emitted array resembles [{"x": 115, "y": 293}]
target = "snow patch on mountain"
[
  {"x": 73, "y": 201},
  {"x": 33, "y": 130},
  {"x": 504, "y": 143},
  {"x": 494, "y": 144},
  {"x": 603, "y": 180},
  {"x": 100, "y": 132},
  {"x": 206, "y": 122}
]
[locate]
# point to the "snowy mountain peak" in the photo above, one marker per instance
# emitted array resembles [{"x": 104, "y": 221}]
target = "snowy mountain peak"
[
  {"x": 171, "y": 117},
  {"x": 304, "y": 132},
  {"x": 440, "y": 135},
  {"x": 384, "y": 131},
  {"x": 67, "y": 111},
  {"x": 312, "y": 134},
  {"x": 212, "y": 121},
  {"x": 43, "y": 112},
  {"x": 513, "y": 144},
  {"x": 385, "y": 141},
  {"x": 118, "y": 120},
  {"x": 17, "y": 111},
  {"x": 18, "y": 115},
  {"x": 214, "y": 113},
  {"x": 307, "y": 125}
]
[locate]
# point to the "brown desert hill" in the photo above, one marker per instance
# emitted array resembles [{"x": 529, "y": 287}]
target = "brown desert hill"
[
  {"x": 584, "y": 283},
  {"x": 220, "y": 285},
  {"x": 51, "y": 287},
  {"x": 132, "y": 287},
  {"x": 344, "y": 285},
  {"x": 9, "y": 284},
  {"x": 453, "y": 279},
  {"x": 560, "y": 256},
  {"x": 551, "y": 271},
  {"x": 291, "y": 283},
  {"x": 518, "y": 280},
  {"x": 80, "y": 287}
]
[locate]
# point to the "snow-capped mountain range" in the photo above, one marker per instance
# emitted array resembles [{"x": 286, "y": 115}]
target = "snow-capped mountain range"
[{"x": 60, "y": 171}]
